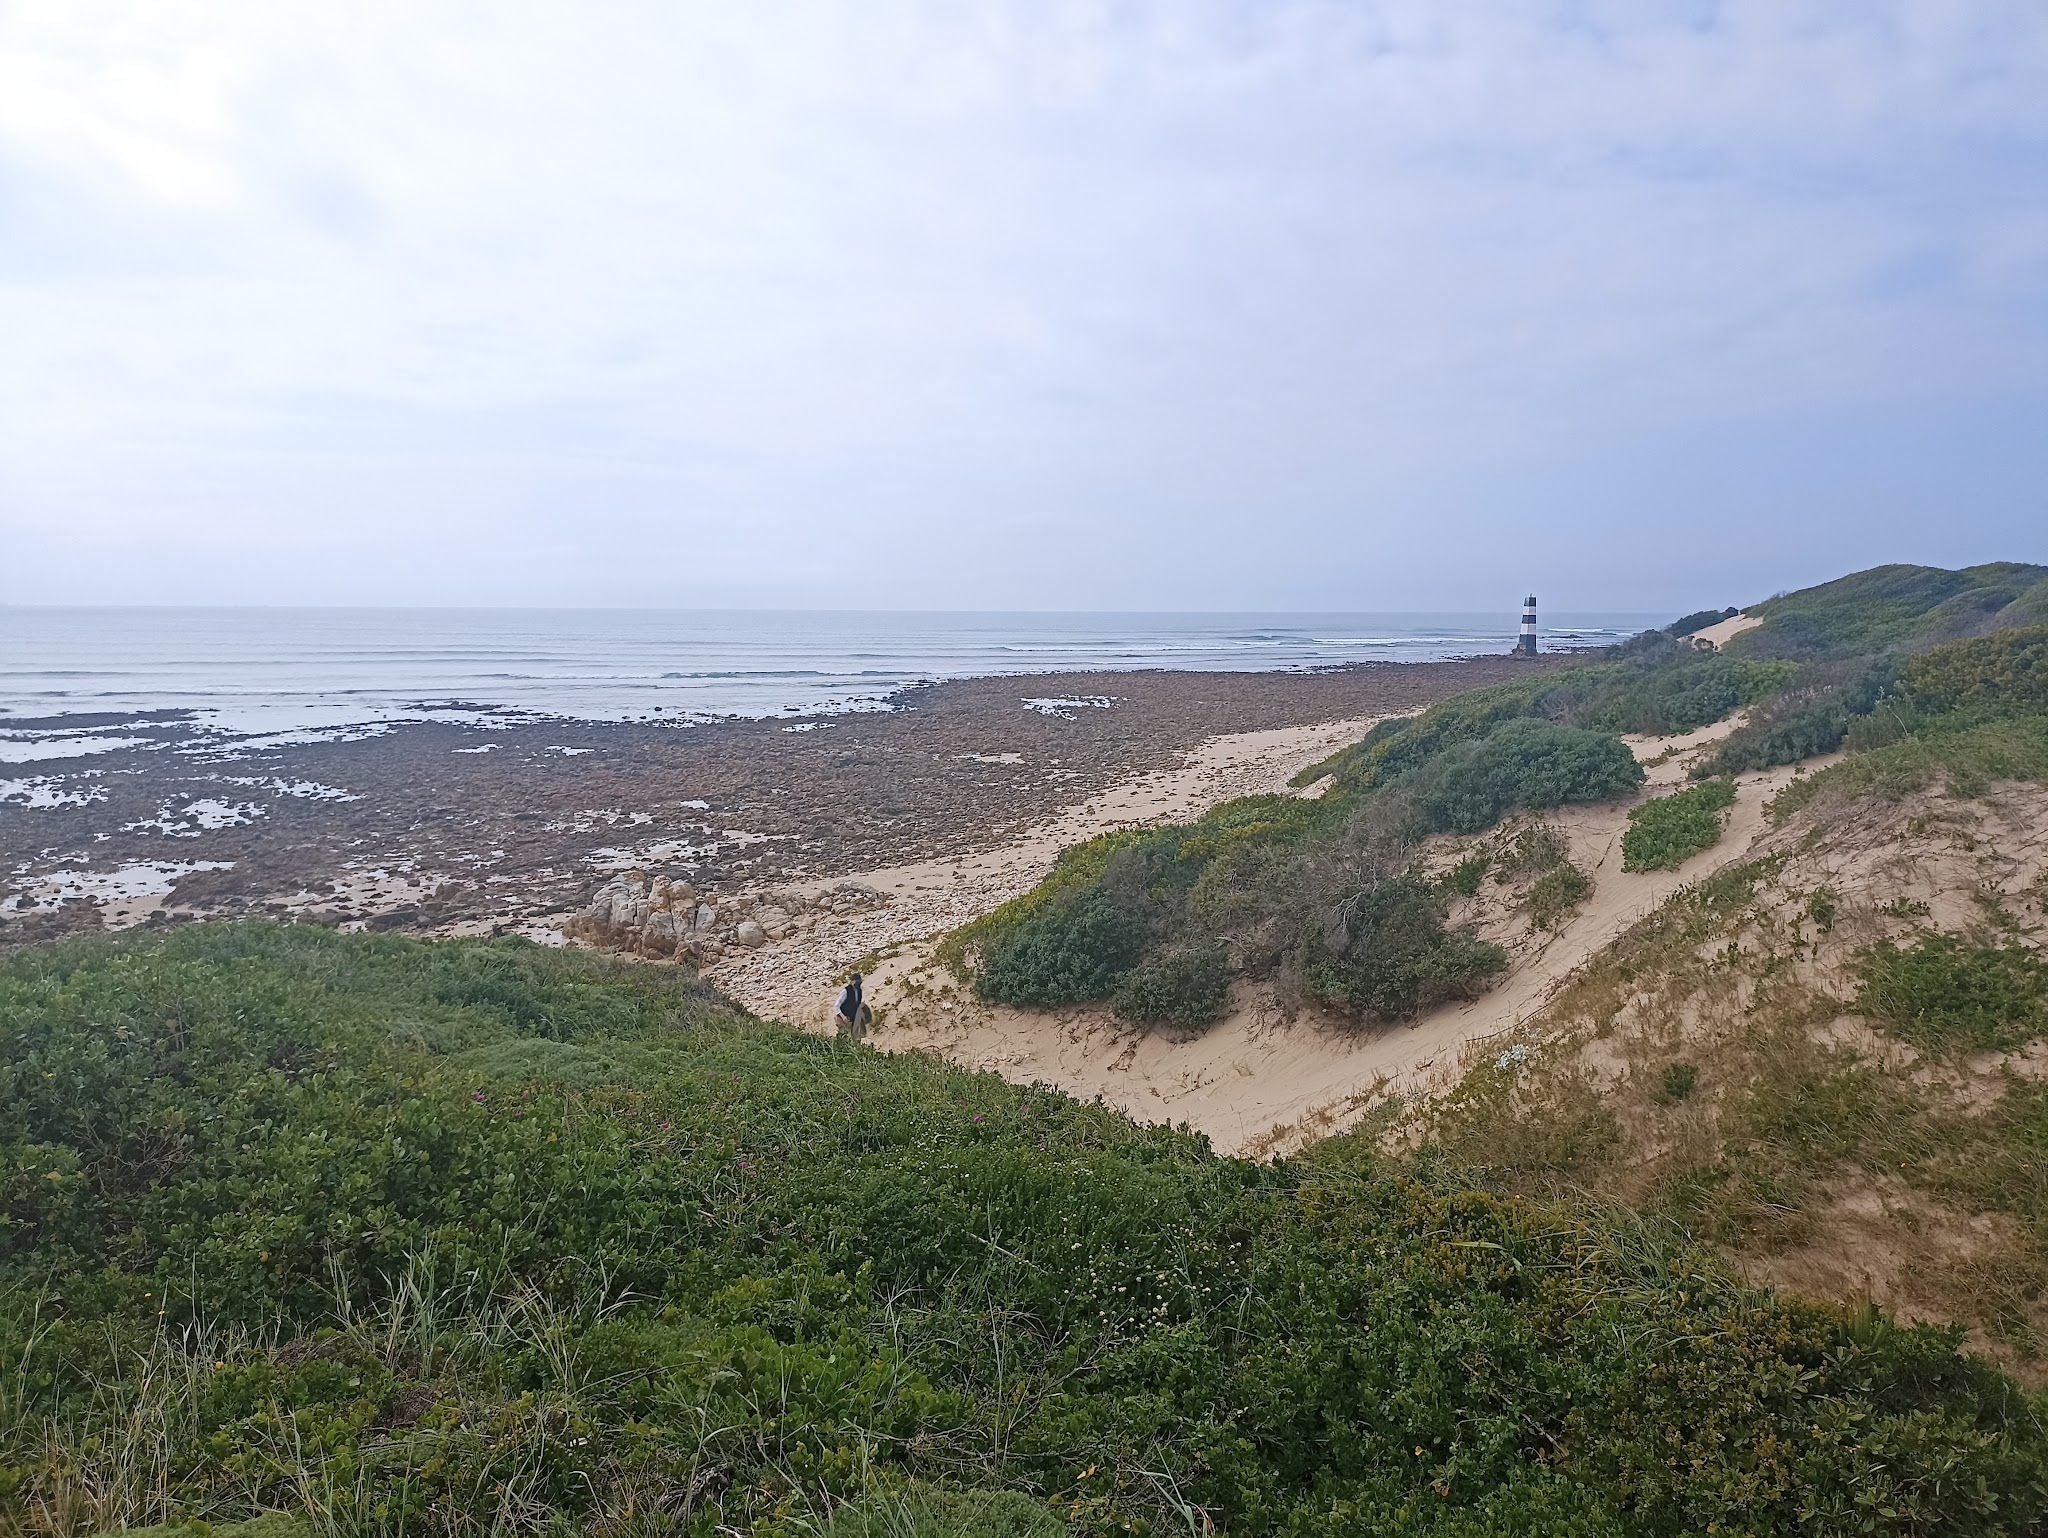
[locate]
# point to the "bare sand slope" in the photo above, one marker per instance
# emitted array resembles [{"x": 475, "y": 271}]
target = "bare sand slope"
[
  {"x": 1721, "y": 632},
  {"x": 1266, "y": 1081}
]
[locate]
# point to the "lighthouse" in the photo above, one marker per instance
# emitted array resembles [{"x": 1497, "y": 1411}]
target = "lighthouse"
[{"x": 1528, "y": 644}]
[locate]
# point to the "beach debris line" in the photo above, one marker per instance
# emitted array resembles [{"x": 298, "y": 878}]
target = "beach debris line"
[{"x": 665, "y": 917}]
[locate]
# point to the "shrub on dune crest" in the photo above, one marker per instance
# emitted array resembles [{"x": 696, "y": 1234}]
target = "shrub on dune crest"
[
  {"x": 2001, "y": 674},
  {"x": 1525, "y": 764},
  {"x": 1068, "y": 952}
]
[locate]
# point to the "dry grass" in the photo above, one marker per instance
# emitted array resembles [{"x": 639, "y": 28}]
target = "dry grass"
[{"x": 1814, "y": 1152}]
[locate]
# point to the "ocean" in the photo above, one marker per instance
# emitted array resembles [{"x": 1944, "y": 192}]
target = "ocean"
[{"x": 268, "y": 672}]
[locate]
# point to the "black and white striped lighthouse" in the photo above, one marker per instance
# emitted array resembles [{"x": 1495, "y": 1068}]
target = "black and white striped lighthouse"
[{"x": 1528, "y": 646}]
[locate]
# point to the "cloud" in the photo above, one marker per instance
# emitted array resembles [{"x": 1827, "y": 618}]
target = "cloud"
[{"x": 989, "y": 303}]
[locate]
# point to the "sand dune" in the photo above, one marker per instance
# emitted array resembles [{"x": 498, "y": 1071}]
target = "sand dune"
[{"x": 1265, "y": 1079}]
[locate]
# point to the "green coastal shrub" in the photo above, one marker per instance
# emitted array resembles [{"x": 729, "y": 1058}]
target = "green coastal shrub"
[
  {"x": 1464, "y": 878},
  {"x": 1945, "y": 995},
  {"x": 1185, "y": 985},
  {"x": 1400, "y": 748},
  {"x": 338, "y": 1226},
  {"x": 1390, "y": 956},
  {"x": 2001, "y": 674},
  {"x": 1663, "y": 834},
  {"x": 1813, "y": 714},
  {"x": 1523, "y": 764},
  {"x": 1069, "y": 951},
  {"x": 1689, "y": 691}
]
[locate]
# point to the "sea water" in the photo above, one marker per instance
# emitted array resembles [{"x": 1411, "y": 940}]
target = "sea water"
[{"x": 286, "y": 673}]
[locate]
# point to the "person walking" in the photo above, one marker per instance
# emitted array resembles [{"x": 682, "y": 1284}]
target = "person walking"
[{"x": 849, "y": 1017}]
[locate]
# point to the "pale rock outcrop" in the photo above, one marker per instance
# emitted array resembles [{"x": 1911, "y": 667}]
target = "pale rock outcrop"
[{"x": 666, "y": 916}]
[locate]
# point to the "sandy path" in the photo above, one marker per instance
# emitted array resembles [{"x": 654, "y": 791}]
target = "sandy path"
[
  {"x": 796, "y": 979},
  {"x": 1261, "y": 1081}
]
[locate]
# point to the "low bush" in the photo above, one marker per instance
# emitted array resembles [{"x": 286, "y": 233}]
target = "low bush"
[
  {"x": 1388, "y": 954},
  {"x": 1663, "y": 834},
  {"x": 1463, "y": 879},
  {"x": 1523, "y": 764},
  {"x": 1399, "y": 748},
  {"x": 1185, "y": 985},
  {"x": 1557, "y": 893},
  {"x": 1690, "y": 691},
  {"x": 1946, "y": 995},
  {"x": 1069, "y": 951},
  {"x": 1813, "y": 714}
]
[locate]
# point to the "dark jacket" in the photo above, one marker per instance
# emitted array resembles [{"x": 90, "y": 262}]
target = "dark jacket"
[{"x": 849, "y": 1002}]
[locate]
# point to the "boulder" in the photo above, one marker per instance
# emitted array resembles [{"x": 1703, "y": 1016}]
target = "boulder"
[
  {"x": 660, "y": 935},
  {"x": 630, "y": 912},
  {"x": 750, "y": 934}
]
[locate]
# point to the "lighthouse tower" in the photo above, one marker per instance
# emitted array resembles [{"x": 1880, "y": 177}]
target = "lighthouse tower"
[{"x": 1528, "y": 644}]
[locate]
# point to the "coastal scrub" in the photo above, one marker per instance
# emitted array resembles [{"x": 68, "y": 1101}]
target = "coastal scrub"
[
  {"x": 382, "y": 1233},
  {"x": 1663, "y": 834}
]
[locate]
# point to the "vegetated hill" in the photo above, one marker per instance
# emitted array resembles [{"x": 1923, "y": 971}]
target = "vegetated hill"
[
  {"x": 1897, "y": 608},
  {"x": 391, "y": 1235}
]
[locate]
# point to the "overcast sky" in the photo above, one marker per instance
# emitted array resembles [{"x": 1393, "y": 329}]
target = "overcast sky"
[{"x": 1239, "y": 306}]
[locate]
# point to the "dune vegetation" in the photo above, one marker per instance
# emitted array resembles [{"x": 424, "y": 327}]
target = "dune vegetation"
[
  {"x": 1323, "y": 900},
  {"x": 395, "y": 1236},
  {"x": 1824, "y": 1059},
  {"x": 1897, "y": 609},
  {"x": 1666, "y": 832}
]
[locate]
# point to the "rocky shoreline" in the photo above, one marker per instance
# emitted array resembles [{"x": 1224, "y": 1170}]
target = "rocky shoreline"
[{"x": 447, "y": 827}]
